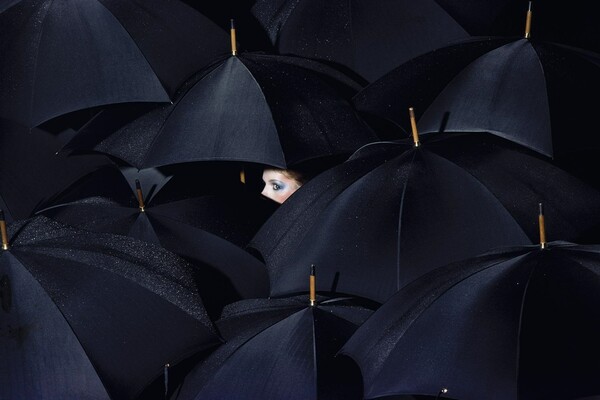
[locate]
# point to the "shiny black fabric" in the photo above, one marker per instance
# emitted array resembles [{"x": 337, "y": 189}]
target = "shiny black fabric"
[
  {"x": 280, "y": 349},
  {"x": 93, "y": 315},
  {"x": 515, "y": 323},
  {"x": 373, "y": 37},
  {"x": 63, "y": 56},
  {"x": 393, "y": 212},
  {"x": 365, "y": 37},
  {"x": 551, "y": 21},
  {"x": 209, "y": 231},
  {"x": 274, "y": 110},
  {"x": 531, "y": 92},
  {"x": 416, "y": 83}
]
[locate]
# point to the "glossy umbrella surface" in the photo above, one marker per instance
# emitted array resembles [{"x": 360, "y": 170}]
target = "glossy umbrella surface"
[
  {"x": 255, "y": 108},
  {"x": 365, "y": 37},
  {"x": 394, "y": 211},
  {"x": 59, "y": 57},
  {"x": 513, "y": 323},
  {"x": 281, "y": 348},
  {"x": 92, "y": 315},
  {"x": 209, "y": 230},
  {"x": 532, "y": 92}
]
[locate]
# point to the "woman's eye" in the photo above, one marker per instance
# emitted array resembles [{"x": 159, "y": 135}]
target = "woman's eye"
[{"x": 276, "y": 186}]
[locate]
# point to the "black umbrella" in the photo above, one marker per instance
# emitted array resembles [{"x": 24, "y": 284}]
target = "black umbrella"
[
  {"x": 30, "y": 171},
  {"x": 92, "y": 315},
  {"x": 570, "y": 24},
  {"x": 416, "y": 83},
  {"x": 63, "y": 56},
  {"x": 535, "y": 93},
  {"x": 394, "y": 211},
  {"x": 208, "y": 230},
  {"x": 281, "y": 349},
  {"x": 257, "y": 108},
  {"x": 368, "y": 38},
  {"x": 516, "y": 323}
]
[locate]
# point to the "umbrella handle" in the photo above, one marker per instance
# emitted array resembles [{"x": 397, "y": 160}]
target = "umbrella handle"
[{"x": 3, "y": 232}]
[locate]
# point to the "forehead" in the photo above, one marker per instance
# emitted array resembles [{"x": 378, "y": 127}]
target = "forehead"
[{"x": 272, "y": 174}]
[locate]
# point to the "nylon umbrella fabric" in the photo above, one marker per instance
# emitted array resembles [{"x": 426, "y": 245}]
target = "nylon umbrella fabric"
[
  {"x": 500, "y": 325},
  {"x": 256, "y": 108},
  {"x": 372, "y": 38},
  {"x": 550, "y": 21},
  {"x": 280, "y": 348},
  {"x": 30, "y": 171},
  {"x": 393, "y": 211},
  {"x": 416, "y": 83},
  {"x": 209, "y": 231},
  {"x": 59, "y": 57},
  {"x": 93, "y": 315},
  {"x": 534, "y": 93},
  {"x": 365, "y": 37}
]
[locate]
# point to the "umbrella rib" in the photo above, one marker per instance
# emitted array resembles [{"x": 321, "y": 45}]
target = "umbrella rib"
[
  {"x": 488, "y": 190},
  {"x": 518, "y": 349},
  {"x": 400, "y": 213},
  {"x": 170, "y": 112},
  {"x": 262, "y": 93},
  {"x": 395, "y": 330},
  {"x": 155, "y": 138},
  {"x": 136, "y": 45}
]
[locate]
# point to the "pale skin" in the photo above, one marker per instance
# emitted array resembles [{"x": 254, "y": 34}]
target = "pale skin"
[{"x": 279, "y": 185}]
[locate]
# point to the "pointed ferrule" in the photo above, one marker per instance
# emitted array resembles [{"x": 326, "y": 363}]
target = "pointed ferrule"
[
  {"x": 140, "y": 195},
  {"x": 413, "y": 125},
  {"x": 233, "y": 38},
  {"x": 542, "y": 226},
  {"x": 528, "y": 23},
  {"x": 4, "y": 234}
]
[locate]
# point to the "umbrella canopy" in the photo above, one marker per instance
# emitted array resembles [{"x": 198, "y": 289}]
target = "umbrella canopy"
[
  {"x": 210, "y": 231},
  {"x": 416, "y": 83},
  {"x": 63, "y": 56},
  {"x": 550, "y": 21},
  {"x": 516, "y": 323},
  {"x": 92, "y": 315},
  {"x": 373, "y": 37},
  {"x": 30, "y": 171},
  {"x": 531, "y": 92},
  {"x": 280, "y": 349},
  {"x": 258, "y": 108},
  {"x": 366, "y": 37},
  {"x": 394, "y": 211}
]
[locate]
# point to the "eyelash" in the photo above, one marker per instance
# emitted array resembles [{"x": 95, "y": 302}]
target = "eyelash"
[{"x": 276, "y": 187}]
